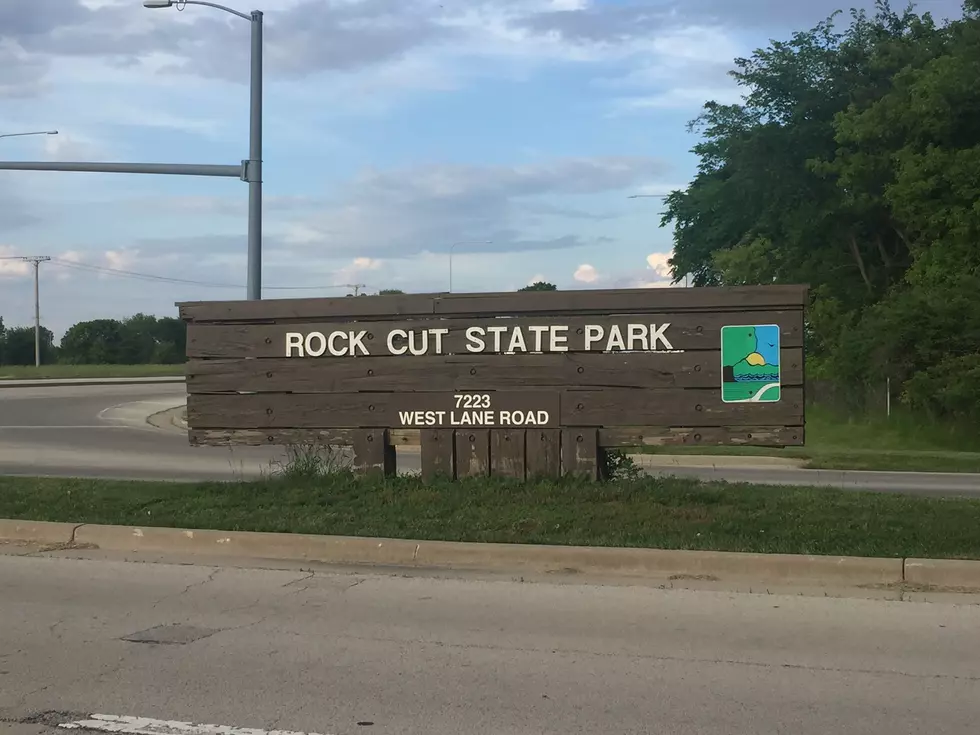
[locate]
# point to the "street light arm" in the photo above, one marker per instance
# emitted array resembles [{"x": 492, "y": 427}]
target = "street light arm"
[
  {"x": 180, "y": 3},
  {"x": 38, "y": 132}
]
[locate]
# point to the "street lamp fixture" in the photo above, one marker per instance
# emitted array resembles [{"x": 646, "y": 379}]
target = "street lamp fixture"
[
  {"x": 253, "y": 167},
  {"x": 38, "y": 132},
  {"x": 452, "y": 248}
]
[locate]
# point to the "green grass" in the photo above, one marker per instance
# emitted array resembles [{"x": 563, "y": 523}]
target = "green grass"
[
  {"x": 27, "y": 372},
  {"x": 669, "y": 513},
  {"x": 900, "y": 443}
]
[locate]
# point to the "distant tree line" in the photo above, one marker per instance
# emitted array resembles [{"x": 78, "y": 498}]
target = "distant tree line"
[{"x": 140, "y": 339}]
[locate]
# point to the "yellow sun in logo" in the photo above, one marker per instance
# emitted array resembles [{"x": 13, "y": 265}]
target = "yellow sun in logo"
[{"x": 755, "y": 359}]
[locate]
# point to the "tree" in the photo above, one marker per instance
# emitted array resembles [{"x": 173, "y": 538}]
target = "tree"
[
  {"x": 18, "y": 346},
  {"x": 540, "y": 286},
  {"x": 140, "y": 339},
  {"x": 851, "y": 166},
  {"x": 390, "y": 292},
  {"x": 95, "y": 342}
]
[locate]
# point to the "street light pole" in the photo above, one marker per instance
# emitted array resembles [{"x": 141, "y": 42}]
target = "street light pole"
[
  {"x": 37, "y": 132},
  {"x": 452, "y": 248},
  {"x": 253, "y": 167}
]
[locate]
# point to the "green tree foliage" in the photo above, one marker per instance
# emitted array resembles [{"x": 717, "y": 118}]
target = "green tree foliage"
[
  {"x": 17, "y": 346},
  {"x": 390, "y": 292},
  {"x": 140, "y": 339},
  {"x": 540, "y": 286},
  {"x": 853, "y": 165}
]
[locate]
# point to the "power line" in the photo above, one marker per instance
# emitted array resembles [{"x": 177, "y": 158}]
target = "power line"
[{"x": 170, "y": 279}]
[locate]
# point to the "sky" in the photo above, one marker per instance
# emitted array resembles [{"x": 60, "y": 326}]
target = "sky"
[{"x": 503, "y": 138}]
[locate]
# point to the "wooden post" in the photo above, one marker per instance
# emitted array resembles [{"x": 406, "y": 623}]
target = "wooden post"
[
  {"x": 374, "y": 454},
  {"x": 508, "y": 454},
  {"x": 438, "y": 454},
  {"x": 544, "y": 453},
  {"x": 580, "y": 452},
  {"x": 473, "y": 453}
]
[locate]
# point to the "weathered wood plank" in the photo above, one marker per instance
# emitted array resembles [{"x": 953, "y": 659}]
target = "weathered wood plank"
[
  {"x": 543, "y": 453},
  {"x": 664, "y": 407},
  {"x": 580, "y": 452},
  {"x": 700, "y": 369},
  {"x": 374, "y": 456},
  {"x": 438, "y": 454},
  {"x": 695, "y": 407},
  {"x": 473, "y": 453},
  {"x": 687, "y": 331},
  {"x": 277, "y": 437},
  {"x": 627, "y": 436},
  {"x": 602, "y": 301},
  {"x": 652, "y": 436},
  {"x": 508, "y": 454}
]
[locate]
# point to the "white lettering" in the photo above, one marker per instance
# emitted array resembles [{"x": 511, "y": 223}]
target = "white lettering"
[
  {"x": 543, "y": 418},
  {"x": 320, "y": 348},
  {"x": 657, "y": 333},
  {"x": 357, "y": 341},
  {"x": 294, "y": 340},
  {"x": 418, "y": 349},
  {"x": 330, "y": 344},
  {"x": 397, "y": 334},
  {"x": 559, "y": 340},
  {"x": 615, "y": 339},
  {"x": 439, "y": 334},
  {"x": 593, "y": 333},
  {"x": 496, "y": 332},
  {"x": 638, "y": 334},
  {"x": 474, "y": 339},
  {"x": 505, "y": 418},
  {"x": 538, "y": 333},
  {"x": 517, "y": 340}
]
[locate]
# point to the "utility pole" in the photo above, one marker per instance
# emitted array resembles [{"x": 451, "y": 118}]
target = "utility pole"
[
  {"x": 356, "y": 286},
  {"x": 36, "y": 261}
]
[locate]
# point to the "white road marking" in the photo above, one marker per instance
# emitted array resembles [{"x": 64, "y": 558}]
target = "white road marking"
[{"x": 148, "y": 726}]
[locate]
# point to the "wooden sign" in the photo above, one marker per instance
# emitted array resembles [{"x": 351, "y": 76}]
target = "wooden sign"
[{"x": 515, "y": 384}]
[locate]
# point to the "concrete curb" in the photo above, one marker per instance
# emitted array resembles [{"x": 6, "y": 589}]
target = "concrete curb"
[
  {"x": 169, "y": 419},
  {"x": 509, "y": 558},
  {"x": 947, "y": 573},
  {"x": 63, "y": 382},
  {"x": 39, "y": 532}
]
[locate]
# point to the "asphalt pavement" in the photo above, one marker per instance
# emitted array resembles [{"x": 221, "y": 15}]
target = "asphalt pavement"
[
  {"x": 101, "y": 430},
  {"x": 142, "y": 648}
]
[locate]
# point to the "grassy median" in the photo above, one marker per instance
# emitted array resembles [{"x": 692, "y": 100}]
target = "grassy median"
[
  {"x": 901, "y": 443},
  {"x": 45, "y": 372},
  {"x": 666, "y": 513}
]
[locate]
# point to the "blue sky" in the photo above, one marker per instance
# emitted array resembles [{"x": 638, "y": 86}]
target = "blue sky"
[{"x": 393, "y": 129}]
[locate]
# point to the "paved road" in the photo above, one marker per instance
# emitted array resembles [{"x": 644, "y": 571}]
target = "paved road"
[
  {"x": 101, "y": 431},
  {"x": 324, "y": 651}
]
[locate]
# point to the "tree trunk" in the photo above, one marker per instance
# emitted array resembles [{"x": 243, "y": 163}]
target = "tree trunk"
[{"x": 856, "y": 252}]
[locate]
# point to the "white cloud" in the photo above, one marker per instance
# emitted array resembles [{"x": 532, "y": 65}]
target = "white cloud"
[
  {"x": 586, "y": 273},
  {"x": 10, "y": 263},
  {"x": 398, "y": 213},
  {"x": 658, "y": 263}
]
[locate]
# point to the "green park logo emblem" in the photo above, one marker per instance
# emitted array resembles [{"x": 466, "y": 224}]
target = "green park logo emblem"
[{"x": 750, "y": 364}]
